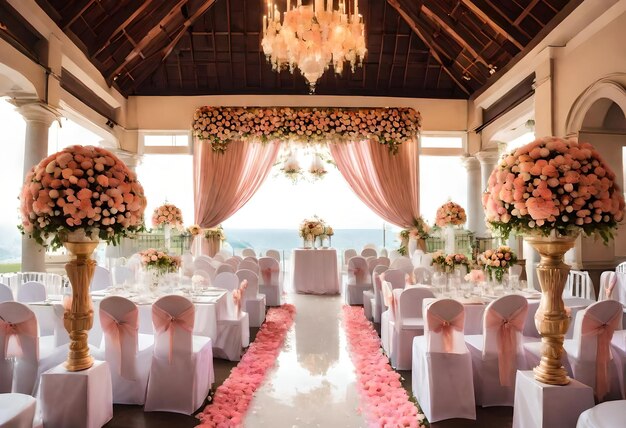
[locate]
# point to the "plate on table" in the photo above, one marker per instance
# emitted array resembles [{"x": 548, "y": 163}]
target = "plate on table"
[{"x": 204, "y": 299}]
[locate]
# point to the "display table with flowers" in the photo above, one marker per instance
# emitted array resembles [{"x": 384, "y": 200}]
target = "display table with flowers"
[
  {"x": 450, "y": 215},
  {"x": 167, "y": 216},
  {"x": 549, "y": 191},
  {"x": 314, "y": 229},
  {"x": 315, "y": 272}
]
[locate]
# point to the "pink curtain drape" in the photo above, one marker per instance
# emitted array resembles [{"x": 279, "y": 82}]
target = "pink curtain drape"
[
  {"x": 224, "y": 182},
  {"x": 387, "y": 183}
]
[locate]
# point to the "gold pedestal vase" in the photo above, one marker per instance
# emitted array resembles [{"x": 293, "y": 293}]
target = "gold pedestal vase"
[
  {"x": 78, "y": 319},
  {"x": 551, "y": 319}
]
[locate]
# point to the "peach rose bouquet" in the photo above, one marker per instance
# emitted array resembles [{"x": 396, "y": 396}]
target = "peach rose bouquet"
[
  {"x": 81, "y": 188},
  {"x": 215, "y": 232},
  {"x": 159, "y": 261},
  {"x": 167, "y": 214},
  {"x": 497, "y": 261},
  {"x": 556, "y": 185},
  {"x": 450, "y": 214}
]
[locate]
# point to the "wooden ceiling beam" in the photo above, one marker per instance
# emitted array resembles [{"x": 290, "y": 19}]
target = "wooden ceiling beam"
[
  {"x": 492, "y": 23},
  {"x": 120, "y": 19},
  {"x": 146, "y": 40},
  {"x": 525, "y": 12},
  {"x": 72, "y": 12},
  {"x": 427, "y": 39},
  {"x": 162, "y": 54}
]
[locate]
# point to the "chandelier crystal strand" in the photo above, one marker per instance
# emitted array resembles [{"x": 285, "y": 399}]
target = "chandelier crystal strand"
[{"x": 311, "y": 37}]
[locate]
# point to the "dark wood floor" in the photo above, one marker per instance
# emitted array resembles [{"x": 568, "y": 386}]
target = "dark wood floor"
[{"x": 135, "y": 417}]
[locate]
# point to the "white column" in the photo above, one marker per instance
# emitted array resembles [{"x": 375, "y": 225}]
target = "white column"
[
  {"x": 132, "y": 160},
  {"x": 488, "y": 160},
  {"x": 38, "y": 117},
  {"x": 475, "y": 213}
]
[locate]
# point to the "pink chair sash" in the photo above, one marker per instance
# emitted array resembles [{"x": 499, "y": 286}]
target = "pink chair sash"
[
  {"x": 358, "y": 274},
  {"x": 164, "y": 321},
  {"x": 507, "y": 329},
  {"x": 117, "y": 329},
  {"x": 436, "y": 324},
  {"x": 389, "y": 298},
  {"x": 237, "y": 301},
  {"x": 26, "y": 328},
  {"x": 610, "y": 285},
  {"x": 267, "y": 275},
  {"x": 408, "y": 279},
  {"x": 604, "y": 332}
]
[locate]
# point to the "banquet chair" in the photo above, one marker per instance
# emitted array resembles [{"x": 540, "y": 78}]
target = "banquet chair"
[
  {"x": 249, "y": 265},
  {"x": 369, "y": 245},
  {"x": 225, "y": 267},
  {"x": 380, "y": 261},
  {"x": 201, "y": 278},
  {"x": 610, "y": 414},
  {"x": 6, "y": 295},
  {"x": 128, "y": 353},
  {"x": 621, "y": 267},
  {"x": 253, "y": 301},
  {"x": 442, "y": 380},
  {"x": 588, "y": 353},
  {"x": 422, "y": 275},
  {"x": 426, "y": 260},
  {"x": 204, "y": 257},
  {"x": 372, "y": 298},
  {"x": 494, "y": 363},
  {"x": 383, "y": 253},
  {"x": 250, "y": 259},
  {"x": 31, "y": 291},
  {"x": 393, "y": 255},
  {"x": 579, "y": 285},
  {"x": 406, "y": 324},
  {"x": 232, "y": 262},
  {"x": 369, "y": 252},
  {"x": 200, "y": 264},
  {"x": 607, "y": 290},
  {"x": 347, "y": 255},
  {"x": 358, "y": 281},
  {"x": 233, "y": 328},
  {"x": 31, "y": 356},
  {"x": 248, "y": 252},
  {"x": 618, "y": 350},
  {"x": 18, "y": 411},
  {"x": 396, "y": 278},
  {"x": 269, "y": 280},
  {"x": 275, "y": 254},
  {"x": 101, "y": 279},
  {"x": 220, "y": 258},
  {"x": 181, "y": 371},
  {"x": 404, "y": 264},
  {"x": 226, "y": 280}
]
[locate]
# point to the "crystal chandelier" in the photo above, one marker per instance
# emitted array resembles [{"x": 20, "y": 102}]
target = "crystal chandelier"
[{"x": 311, "y": 37}]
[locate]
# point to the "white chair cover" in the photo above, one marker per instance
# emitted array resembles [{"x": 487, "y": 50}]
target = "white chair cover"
[
  {"x": 610, "y": 414},
  {"x": 275, "y": 254},
  {"x": 348, "y": 254},
  {"x": 376, "y": 301},
  {"x": 442, "y": 379},
  {"x": 128, "y": 353},
  {"x": 621, "y": 267},
  {"x": 422, "y": 275},
  {"x": 248, "y": 252},
  {"x": 224, "y": 253},
  {"x": 6, "y": 295},
  {"x": 270, "y": 282},
  {"x": 383, "y": 252},
  {"x": 101, "y": 279},
  {"x": 618, "y": 349},
  {"x": 219, "y": 257},
  {"x": 206, "y": 266},
  {"x": 225, "y": 267},
  {"x": 579, "y": 284},
  {"x": 253, "y": 301},
  {"x": 233, "y": 329},
  {"x": 232, "y": 262},
  {"x": 249, "y": 265},
  {"x": 404, "y": 264},
  {"x": 369, "y": 252},
  {"x": 408, "y": 324},
  {"x": 498, "y": 352},
  {"x": 359, "y": 280},
  {"x": 17, "y": 410},
  {"x": 396, "y": 278},
  {"x": 226, "y": 280},
  {"x": 181, "y": 372},
  {"x": 31, "y": 291}
]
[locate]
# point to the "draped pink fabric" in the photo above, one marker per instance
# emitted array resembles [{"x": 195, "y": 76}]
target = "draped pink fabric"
[
  {"x": 388, "y": 297},
  {"x": 224, "y": 182},
  {"x": 507, "y": 329},
  {"x": 164, "y": 322},
  {"x": 388, "y": 184},
  {"x": 237, "y": 300},
  {"x": 266, "y": 274},
  {"x": 438, "y": 325},
  {"x": 117, "y": 329},
  {"x": 604, "y": 332},
  {"x": 27, "y": 328},
  {"x": 358, "y": 273}
]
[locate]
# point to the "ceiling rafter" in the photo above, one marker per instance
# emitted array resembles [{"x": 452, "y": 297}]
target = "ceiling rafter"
[
  {"x": 493, "y": 24},
  {"x": 525, "y": 12},
  {"x": 72, "y": 12},
  {"x": 146, "y": 40},
  {"x": 427, "y": 39}
]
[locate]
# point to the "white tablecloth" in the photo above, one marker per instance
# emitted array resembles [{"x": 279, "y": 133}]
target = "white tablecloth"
[{"x": 315, "y": 271}]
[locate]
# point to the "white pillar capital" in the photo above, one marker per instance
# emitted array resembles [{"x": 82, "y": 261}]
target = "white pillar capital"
[
  {"x": 488, "y": 157},
  {"x": 36, "y": 111},
  {"x": 132, "y": 160},
  {"x": 471, "y": 163}
]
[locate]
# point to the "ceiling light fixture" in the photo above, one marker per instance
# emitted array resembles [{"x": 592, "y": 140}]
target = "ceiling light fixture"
[{"x": 312, "y": 37}]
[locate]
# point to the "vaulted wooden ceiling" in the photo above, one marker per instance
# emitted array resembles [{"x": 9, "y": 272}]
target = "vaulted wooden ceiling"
[{"x": 416, "y": 48}]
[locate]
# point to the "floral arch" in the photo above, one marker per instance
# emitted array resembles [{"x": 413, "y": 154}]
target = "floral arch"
[{"x": 375, "y": 149}]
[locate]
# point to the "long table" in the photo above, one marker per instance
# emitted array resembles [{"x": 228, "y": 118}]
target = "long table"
[{"x": 315, "y": 271}]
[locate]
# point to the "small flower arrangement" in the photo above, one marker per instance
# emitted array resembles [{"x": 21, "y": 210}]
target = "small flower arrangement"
[
  {"x": 439, "y": 261},
  {"x": 215, "y": 232},
  {"x": 553, "y": 185},
  {"x": 194, "y": 230},
  {"x": 475, "y": 276},
  {"x": 497, "y": 261},
  {"x": 454, "y": 260},
  {"x": 419, "y": 230},
  {"x": 159, "y": 261},
  {"x": 167, "y": 214},
  {"x": 312, "y": 228},
  {"x": 450, "y": 214},
  {"x": 81, "y": 188},
  {"x": 328, "y": 231}
]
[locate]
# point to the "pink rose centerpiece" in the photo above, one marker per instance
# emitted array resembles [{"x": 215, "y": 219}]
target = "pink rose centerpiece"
[
  {"x": 497, "y": 262},
  {"x": 159, "y": 261},
  {"x": 555, "y": 185},
  {"x": 311, "y": 229},
  {"x": 450, "y": 214},
  {"x": 475, "y": 276},
  {"x": 81, "y": 188},
  {"x": 167, "y": 215}
]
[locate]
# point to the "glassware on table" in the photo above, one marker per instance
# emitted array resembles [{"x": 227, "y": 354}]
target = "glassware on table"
[
  {"x": 523, "y": 284},
  {"x": 454, "y": 284},
  {"x": 514, "y": 283},
  {"x": 439, "y": 282}
]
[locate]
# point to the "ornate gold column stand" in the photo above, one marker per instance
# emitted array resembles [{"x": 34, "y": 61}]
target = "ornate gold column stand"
[
  {"x": 551, "y": 320},
  {"x": 78, "y": 320}
]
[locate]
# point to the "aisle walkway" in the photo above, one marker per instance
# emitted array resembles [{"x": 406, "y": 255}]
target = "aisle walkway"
[{"x": 313, "y": 384}]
